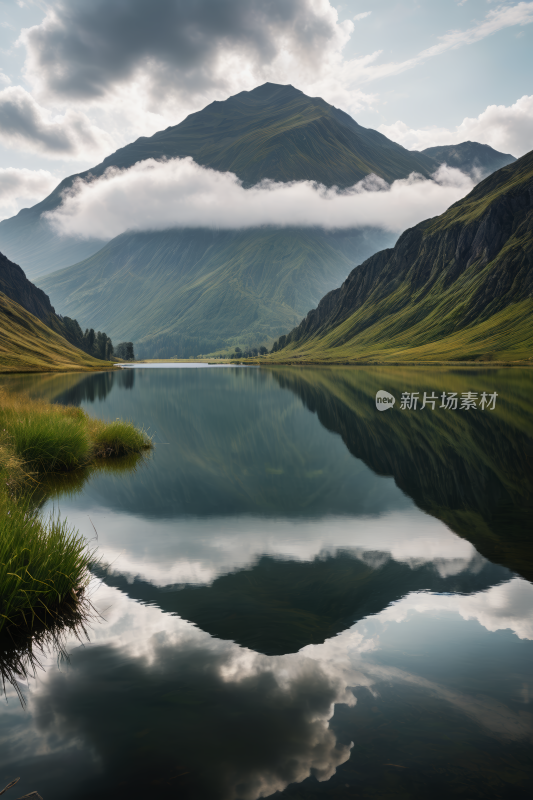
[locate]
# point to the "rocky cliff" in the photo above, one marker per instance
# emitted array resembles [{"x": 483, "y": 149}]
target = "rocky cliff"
[{"x": 15, "y": 285}]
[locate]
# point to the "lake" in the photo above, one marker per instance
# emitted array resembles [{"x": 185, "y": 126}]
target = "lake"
[{"x": 296, "y": 592}]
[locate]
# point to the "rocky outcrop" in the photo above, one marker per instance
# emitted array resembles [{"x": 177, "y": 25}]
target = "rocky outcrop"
[{"x": 15, "y": 285}]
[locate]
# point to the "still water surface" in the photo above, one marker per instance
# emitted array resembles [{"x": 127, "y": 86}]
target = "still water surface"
[{"x": 297, "y": 593}]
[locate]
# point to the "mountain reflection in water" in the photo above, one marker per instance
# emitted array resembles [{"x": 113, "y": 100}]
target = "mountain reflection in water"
[
  {"x": 298, "y": 594},
  {"x": 472, "y": 470}
]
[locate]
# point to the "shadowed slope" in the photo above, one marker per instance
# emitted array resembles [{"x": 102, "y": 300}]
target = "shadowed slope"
[
  {"x": 15, "y": 285},
  {"x": 195, "y": 291}
]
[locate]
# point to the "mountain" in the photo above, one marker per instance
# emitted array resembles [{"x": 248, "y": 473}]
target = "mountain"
[
  {"x": 272, "y": 132},
  {"x": 479, "y": 160},
  {"x": 458, "y": 286},
  {"x": 185, "y": 292},
  {"x": 196, "y": 291},
  {"x": 28, "y": 345}
]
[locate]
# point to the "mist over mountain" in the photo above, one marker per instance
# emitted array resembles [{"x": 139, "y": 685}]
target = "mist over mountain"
[
  {"x": 454, "y": 287},
  {"x": 181, "y": 278},
  {"x": 273, "y": 132}
]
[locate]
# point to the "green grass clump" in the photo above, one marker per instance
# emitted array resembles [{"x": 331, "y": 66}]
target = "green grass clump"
[
  {"x": 44, "y": 562},
  {"x": 110, "y": 439},
  {"x": 53, "y": 438},
  {"x": 50, "y": 442},
  {"x": 41, "y": 563}
]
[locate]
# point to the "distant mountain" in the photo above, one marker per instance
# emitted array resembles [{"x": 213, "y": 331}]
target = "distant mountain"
[
  {"x": 479, "y": 160},
  {"x": 458, "y": 286},
  {"x": 28, "y": 345},
  {"x": 196, "y": 291},
  {"x": 272, "y": 132}
]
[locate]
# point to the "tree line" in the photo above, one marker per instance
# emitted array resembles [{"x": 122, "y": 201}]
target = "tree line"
[{"x": 95, "y": 343}]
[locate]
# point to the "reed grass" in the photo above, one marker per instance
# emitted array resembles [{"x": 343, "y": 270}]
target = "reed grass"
[
  {"x": 23, "y": 650},
  {"x": 43, "y": 562}
]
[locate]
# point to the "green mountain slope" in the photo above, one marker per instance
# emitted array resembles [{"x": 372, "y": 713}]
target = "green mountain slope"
[
  {"x": 195, "y": 291},
  {"x": 272, "y": 132},
  {"x": 470, "y": 157},
  {"x": 28, "y": 345},
  {"x": 459, "y": 286}
]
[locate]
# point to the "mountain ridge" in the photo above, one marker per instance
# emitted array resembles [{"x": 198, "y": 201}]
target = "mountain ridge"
[{"x": 16, "y": 287}]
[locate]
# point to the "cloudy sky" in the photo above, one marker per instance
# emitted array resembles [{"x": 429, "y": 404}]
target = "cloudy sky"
[{"x": 78, "y": 79}]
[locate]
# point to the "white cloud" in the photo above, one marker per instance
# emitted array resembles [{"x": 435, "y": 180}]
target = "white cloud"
[
  {"x": 362, "y": 15},
  {"x": 146, "y": 64},
  {"x": 25, "y": 125},
  {"x": 508, "y": 606},
  {"x": 290, "y": 699},
  {"x": 178, "y": 56},
  {"x": 506, "y": 128},
  {"x": 413, "y": 539},
  {"x": 20, "y": 188},
  {"x": 157, "y": 195},
  {"x": 496, "y": 20}
]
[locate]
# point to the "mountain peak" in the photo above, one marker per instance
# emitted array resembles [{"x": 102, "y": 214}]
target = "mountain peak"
[{"x": 268, "y": 94}]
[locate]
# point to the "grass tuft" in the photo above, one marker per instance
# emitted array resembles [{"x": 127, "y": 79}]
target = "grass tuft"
[
  {"x": 111, "y": 439},
  {"x": 43, "y": 563}
]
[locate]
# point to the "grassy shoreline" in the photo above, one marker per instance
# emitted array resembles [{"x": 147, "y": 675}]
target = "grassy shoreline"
[{"x": 44, "y": 562}]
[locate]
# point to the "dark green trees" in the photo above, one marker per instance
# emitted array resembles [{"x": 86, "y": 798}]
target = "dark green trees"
[
  {"x": 124, "y": 350},
  {"x": 97, "y": 344}
]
